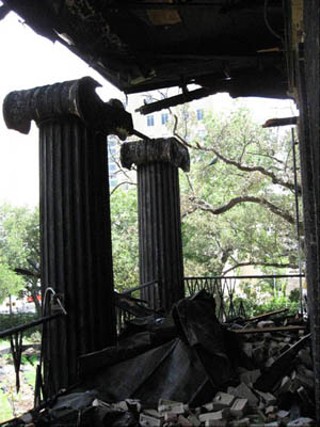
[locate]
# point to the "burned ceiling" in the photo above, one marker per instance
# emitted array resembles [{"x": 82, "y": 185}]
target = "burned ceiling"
[{"x": 221, "y": 45}]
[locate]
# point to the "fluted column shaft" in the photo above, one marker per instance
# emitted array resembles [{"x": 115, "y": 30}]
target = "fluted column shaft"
[
  {"x": 76, "y": 253},
  {"x": 160, "y": 243}
]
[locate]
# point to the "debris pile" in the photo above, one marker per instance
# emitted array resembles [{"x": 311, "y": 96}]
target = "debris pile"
[{"x": 190, "y": 370}]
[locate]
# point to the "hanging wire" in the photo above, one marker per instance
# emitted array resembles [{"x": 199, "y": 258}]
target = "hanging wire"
[
  {"x": 39, "y": 386},
  {"x": 266, "y": 20},
  {"x": 297, "y": 216}
]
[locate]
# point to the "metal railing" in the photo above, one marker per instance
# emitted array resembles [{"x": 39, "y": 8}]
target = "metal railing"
[
  {"x": 223, "y": 288},
  {"x": 226, "y": 288},
  {"x": 128, "y": 304}
]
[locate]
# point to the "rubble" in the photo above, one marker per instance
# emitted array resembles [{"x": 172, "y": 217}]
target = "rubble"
[
  {"x": 239, "y": 407},
  {"x": 189, "y": 370}
]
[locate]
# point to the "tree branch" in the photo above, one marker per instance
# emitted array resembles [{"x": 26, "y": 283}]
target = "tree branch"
[
  {"x": 202, "y": 205},
  {"x": 275, "y": 179},
  {"x": 120, "y": 184},
  {"x": 188, "y": 212},
  {"x": 262, "y": 170},
  {"x": 260, "y": 263}
]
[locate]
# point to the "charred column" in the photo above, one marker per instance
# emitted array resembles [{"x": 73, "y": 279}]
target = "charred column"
[
  {"x": 307, "y": 72},
  {"x": 160, "y": 246},
  {"x": 76, "y": 256}
]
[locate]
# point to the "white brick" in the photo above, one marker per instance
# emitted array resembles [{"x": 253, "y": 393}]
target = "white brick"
[
  {"x": 194, "y": 420},
  {"x": 185, "y": 422},
  {"x": 222, "y": 400},
  {"x": 147, "y": 421},
  {"x": 217, "y": 423},
  {"x": 213, "y": 416},
  {"x": 171, "y": 406},
  {"x": 238, "y": 408},
  {"x": 301, "y": 422}
]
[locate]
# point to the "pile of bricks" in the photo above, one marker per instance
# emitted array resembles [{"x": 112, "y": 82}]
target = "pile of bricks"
[
  {"x": 277, "y": 392},
  {"x": 273, "y": 385},
  {"x": 225, "y": 409}
]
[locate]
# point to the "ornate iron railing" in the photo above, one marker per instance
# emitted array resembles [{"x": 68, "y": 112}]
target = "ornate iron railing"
[{"x": 223, "y": 289}]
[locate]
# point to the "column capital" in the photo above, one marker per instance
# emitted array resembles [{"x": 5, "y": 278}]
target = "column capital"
[
  {"x": 72, "y": 98},
  {"x": 166, "y": 150}
]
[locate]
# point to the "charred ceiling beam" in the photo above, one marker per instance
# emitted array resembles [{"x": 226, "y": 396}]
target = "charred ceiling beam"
[
  {"x": 160, "y": 5},
  {"x": 266, "y": 85},
  {"x": 128, "y": 42},
  {"x": 4, "y": 10}
]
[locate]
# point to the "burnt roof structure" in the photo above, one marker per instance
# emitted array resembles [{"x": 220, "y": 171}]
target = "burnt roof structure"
[
  {"x": 233, "y": 46},
  {"x": 245, "y": 47}
]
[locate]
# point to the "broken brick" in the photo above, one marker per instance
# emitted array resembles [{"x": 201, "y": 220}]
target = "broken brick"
[
  {"x": 194, "y": 420},
  {"x": 250, "y": 377},
  {"x": 171, "y": 406},
  {"x": 184, "y": 422},
  {"x": 213, "y": 416},
  {"x": 148, "y": 421},
  {"x": 245, "y": 392},
  {"x": 238, "y": 407},
  {"x": 268, "y": 398},
  {"x": 301, "y": 422},
  {"x": 222, "y": 400},
  {"x": 244, "y": 422}
]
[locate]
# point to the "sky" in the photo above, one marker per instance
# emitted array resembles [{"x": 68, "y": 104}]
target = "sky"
[{"x": 29, "y": 60}]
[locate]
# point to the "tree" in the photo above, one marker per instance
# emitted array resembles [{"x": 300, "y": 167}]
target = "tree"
[
  {"x": 10, "y": 283},
  {"x": 20, "y": 251},
  {"x": 124, "y": 220},
  {"x": 238, "y": 200}
]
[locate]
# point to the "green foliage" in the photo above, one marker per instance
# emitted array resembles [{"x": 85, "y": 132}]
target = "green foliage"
[
  {"x": 19, "y": 234},
  {"x": 253, "y": 309},
  {"x": 232, "y": 157},
  {"x": 30, "y": 376},
  {"x": 8, "y": 321},
  {"x": 237, "y": 201},
  {"x": 10, "y": 282},
  {"x": 125, "y": 238},
  {"x": 294, "y": 295},
  {"x": 19, "y": 245},
  {"x": 5, "y": 408}
]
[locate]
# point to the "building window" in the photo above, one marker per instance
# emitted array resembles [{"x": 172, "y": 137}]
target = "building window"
[
  {"x": 202, "y": 133},
  {"x": 185, "y": 115},
  {"x": 113, "y": 182},
  {"x": 199, "y": 114},
  {"x": 164, "y": 118},
  {"x": 150, "y": 120},
  {"x": 112, "y": 167},
  {"x": 112, "y": 145}
]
